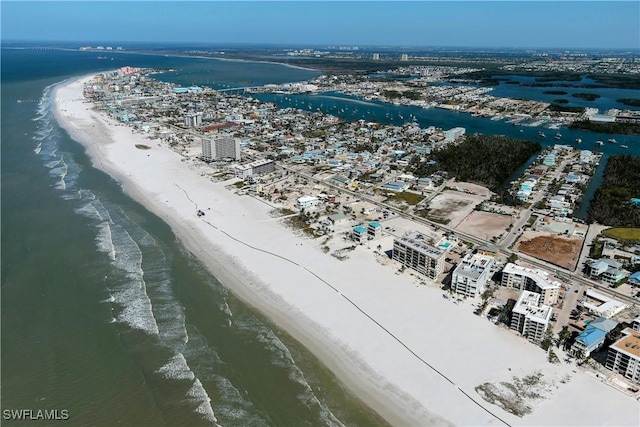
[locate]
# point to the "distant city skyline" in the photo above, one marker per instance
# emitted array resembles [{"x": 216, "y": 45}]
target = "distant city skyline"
[{"x": 533, "y": 24}]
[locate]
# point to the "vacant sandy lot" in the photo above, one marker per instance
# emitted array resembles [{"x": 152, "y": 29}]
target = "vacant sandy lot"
[
  {"x": 451, "y": 207},
  {"x": 485, "y": 224},
  {"x": 558, "y": 250},
  {"x": 473, "y": 188}
]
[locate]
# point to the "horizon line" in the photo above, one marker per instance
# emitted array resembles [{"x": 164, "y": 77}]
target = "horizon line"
[{"x": 307, "y": 45}]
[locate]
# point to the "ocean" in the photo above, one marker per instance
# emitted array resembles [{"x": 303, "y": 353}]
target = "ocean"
[
  {"x": 104, "y": 314},
  {"x": 107, "y": 316}
]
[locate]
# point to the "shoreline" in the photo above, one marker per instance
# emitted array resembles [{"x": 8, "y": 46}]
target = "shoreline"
[{"x": 390, "y": 359}]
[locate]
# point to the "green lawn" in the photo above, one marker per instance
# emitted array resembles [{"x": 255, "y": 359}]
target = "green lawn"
[
  {"x": 410, "y": 198},
  {"x": 623, "y": 233}
]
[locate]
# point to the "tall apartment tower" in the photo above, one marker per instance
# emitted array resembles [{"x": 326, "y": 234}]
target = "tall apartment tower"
[
  {"x": 221, "y": 148},
  {"x": 404, "y": 57},
  {"x": 415, "y": 251},
  {"x": 193, "y": 120},
  {"x": 376, "y": 57}
]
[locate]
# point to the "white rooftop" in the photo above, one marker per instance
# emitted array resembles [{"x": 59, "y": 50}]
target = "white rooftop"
[
  {"x": 529, "y": 305},
  {"x": 541, "y": 277}
]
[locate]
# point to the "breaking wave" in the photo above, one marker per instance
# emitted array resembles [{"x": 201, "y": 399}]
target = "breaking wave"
[{"x": 139, "y": 282}]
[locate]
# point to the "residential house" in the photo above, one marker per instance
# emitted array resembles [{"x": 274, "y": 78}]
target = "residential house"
[{"x": 592, "y": 338}]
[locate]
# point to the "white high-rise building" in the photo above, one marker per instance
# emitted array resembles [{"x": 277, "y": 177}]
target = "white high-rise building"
[
  {"x": 534, "y": 280},
  {"x": 376, "y": 57},
  {"x": 471, "y": 275},
  {"x": 206, "y": 149},
  {"x": 259, "y": 167},
  {"x": 193, "y": 120},
  {"x": 416, "y": 252},
  {"x": 221, "y": 148},
  {"x": 404, "y": 57}
]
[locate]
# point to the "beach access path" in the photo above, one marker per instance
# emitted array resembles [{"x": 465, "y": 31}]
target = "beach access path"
[{"x": 408, "y": 353}]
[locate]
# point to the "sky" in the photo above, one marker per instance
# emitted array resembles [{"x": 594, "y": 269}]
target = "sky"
[{"x": 523, "y": 24}]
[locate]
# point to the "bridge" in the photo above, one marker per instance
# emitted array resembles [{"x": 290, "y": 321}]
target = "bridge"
[{"x": 243, "y": 89}]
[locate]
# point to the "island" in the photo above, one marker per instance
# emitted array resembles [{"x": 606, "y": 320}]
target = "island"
[{"x": 347, "y": 286}]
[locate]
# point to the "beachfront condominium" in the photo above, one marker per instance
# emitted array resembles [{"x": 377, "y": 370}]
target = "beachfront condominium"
[
  {"x": 533, "y": 280},
  {"x": 221, "y": 148},
  {"x": 623, "y": 356},
  {"x": 470, "y": 276},
  {"x": 416, "y": 252},
  {"x": 530, "y": 317},
  {"x": 256, "y": 168}
]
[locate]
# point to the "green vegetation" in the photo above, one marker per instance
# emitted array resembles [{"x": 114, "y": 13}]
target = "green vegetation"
[
  {"x": 299, "y": 222},
  {"x": 547, "y": 341},
  {"x": 410, "y": 94},
  {"x": 142, "y": 147},
  {"x": 435, "y": 215},
  {"x": 507, "y": 309},
  {"x": 555, "y": 92},
  {"x": 596, "y": 249},
  {"x": 239, "y": 184},
  {"x": 561, "y": 101},
  {"x": 564, "y": 335},
  {"x": 599, "y": 127},
  {"x": 611, "y": 205},
  {"x": 621, "y": 81},
  {"x": 632, "y": 102},
  {"x": 565, "y": 109},
  {"x": 625, "y": 234},
  {"x": 392, "y": 94},
  {"x": 586, "y": 96},
  {"x": 484, "y": 159},
  {"x": 554, "y": 76},
  {"x": 315, "y": 133},
  {"x": 411, "y": 198}
]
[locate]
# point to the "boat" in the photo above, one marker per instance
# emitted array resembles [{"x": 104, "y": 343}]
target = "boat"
[
  {"x": 599, "y": 142},
  {"x": 542, "y": 134},
  {"x": 558, "y": 136},
  {"x": 578, "y": 140},
  {"x": 624, "y": 146},
  {"x": 611, "y": 140}
]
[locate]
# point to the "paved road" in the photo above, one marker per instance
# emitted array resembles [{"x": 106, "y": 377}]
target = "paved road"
[
  {"x": 559, "y": 271},
  {"x": 525, "y": 214},
  {"x": 569, "y": 303}
]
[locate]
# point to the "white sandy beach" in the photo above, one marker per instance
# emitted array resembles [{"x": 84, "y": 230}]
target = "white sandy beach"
[{"x": 385, "y": 337}]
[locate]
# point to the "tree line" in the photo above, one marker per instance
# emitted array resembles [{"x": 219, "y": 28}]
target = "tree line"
[
  {"x": 485, "y": 159},
  {"x": 611, "y": 204}
]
